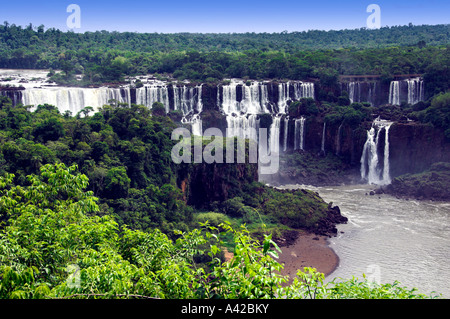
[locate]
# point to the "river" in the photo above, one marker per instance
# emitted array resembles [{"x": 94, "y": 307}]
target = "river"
[{"x": 390, "y": 239}]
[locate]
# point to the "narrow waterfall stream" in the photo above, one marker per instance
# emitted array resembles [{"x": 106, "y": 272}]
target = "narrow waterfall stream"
[{"x": 374, "y": 167}]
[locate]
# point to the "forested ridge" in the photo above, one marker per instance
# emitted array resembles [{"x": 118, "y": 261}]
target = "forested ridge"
[{"x": 108, "y": 56}]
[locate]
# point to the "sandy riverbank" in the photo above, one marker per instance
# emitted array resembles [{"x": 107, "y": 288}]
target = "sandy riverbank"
[
  {"x": 308, "y": 250},
  {"x": 303, "y": 250}
]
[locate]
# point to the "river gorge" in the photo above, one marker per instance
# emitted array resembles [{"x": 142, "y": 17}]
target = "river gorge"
[{"x": 386, "y": 238}]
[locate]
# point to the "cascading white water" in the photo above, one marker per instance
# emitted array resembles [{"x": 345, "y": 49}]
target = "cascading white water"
[
  {"x": 371, "y": 98},
  {"x": 196, "y": 125},
  {"x": 230, "y": 104},
  {"x": 187, "y": 99},
  {"x": 74, "y": 99},
  {"x": 338, "y": 139},
  {"x": 255, "y": 100},
  {"x": 323, "y": 138},
  {"x": 394, "y": 93},
  {"x": 299, "y": 134},
  {"x": 286, "y": 131},
  {"x": 300, "y": 90},
  {"x": 149, "y": 94},
  {"x": 351, "y": 91},
  {"x": 242, "y": 126},
  {"x": 386, "y": 168},
  {"x": 371, "y": 170},
  {"x": 199, "y": 99},
  {"x": 274, "y": 138},
  {"x": 241, "y": 116},
  {"x": 415, "y": 90},
  {"x": 283, "y": 97}
]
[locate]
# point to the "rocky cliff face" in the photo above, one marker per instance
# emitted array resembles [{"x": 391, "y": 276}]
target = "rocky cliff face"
[{"x": 415, "y": 146}]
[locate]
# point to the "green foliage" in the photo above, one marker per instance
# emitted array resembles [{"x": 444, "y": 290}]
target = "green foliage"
[
  {"x": 437, "y": 113},
  {"x": 110, "y": 56},
  {"x": 306, "y": 106},
  {"x": 158, "y": 109},
  {"x": 117, "y": 183},
  {"x": 214, "y": 219},
  {"x": 432, "y": 183},
  {"x": 350, "y": 115},
  {"x": 54, "y": 246}
]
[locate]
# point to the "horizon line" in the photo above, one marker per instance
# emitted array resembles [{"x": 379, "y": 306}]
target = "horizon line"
[{"x": 34, "y": 27}]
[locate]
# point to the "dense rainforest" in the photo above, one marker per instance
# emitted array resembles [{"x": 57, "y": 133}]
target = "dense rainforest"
[
  {"x": 90, "y": 208},
  {"x": 99, "y": 191},
  {"x": 109, "y": 56}
]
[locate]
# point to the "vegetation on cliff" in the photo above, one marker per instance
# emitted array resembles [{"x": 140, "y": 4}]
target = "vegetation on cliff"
[
  {"x": 126, "y": 154},
  {"x": 433, "y": 184},
  {"x": 55, "y": 245}
]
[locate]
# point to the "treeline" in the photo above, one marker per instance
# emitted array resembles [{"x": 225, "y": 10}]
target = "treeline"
[
  {"x": 15, "y": 37},
  {"x": 109, "y": 56}
]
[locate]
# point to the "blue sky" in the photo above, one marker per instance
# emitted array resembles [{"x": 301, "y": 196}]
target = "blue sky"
[{"x": 222, "y": 16}]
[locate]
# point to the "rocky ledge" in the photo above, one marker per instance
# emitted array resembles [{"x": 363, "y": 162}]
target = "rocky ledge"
[
  {"x": 432, "y": 184},
  {"x": 326, "y": 226}
]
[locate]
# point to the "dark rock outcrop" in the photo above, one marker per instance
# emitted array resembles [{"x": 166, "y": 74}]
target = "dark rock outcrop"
[
  {"x": 326, "y": 226},
  {"x": 415, "y": 146},
  {"x": 432, "y": 184}
]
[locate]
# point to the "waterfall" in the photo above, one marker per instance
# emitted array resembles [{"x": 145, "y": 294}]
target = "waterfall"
[
  {"x": 199, "y": 99},
  {"x": 372, "y": 94},
  {"x": 394, "y": 93},
  {"x": 300, "y": 90},
  {"x": 371, "y": 169},
  {"x": 255, "y": 98},
  {"x": 14, "y": 95},
  {"x": 242, "y": 126},
  {"x": 241, "y": 116},
  {"x": 149, "y": 94},
  {"x": 229, "y": 99},
  {"x": 415, "y": 90},
  {"x": 274, "y": 138},
  {"x": 286, "y": 131},
  {"x": 187, "y": 99},
  {"x": 386, "y": 168},
  {"x": 351, "y": 92},
  {"x": 283, "y": 97},
  {"x": 303, "y": 90},
  {"x": 299, "y": 134},
  {"x": 75, "y": 99},
  {"x": 338, "y": 139},
  {"x": 323, "y": 139},
  {"x": 196, "y": 125}
]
